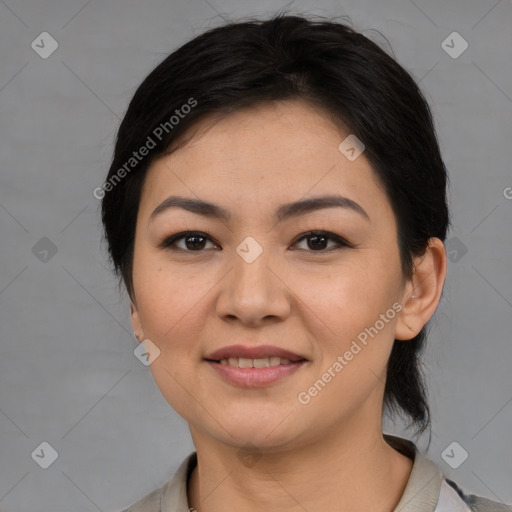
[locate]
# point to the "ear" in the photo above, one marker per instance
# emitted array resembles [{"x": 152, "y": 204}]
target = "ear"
[
  {"x": 422, "y": 292},
  {"x": 136, "y": 322}
]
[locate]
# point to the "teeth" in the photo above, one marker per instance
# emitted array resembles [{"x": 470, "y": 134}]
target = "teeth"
[
  {"x": 243, "y": 362},
  {"x": 260, "y": 363}
]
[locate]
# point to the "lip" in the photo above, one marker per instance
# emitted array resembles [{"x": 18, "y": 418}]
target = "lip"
[
  {"x": 253, "y": 353},
  {"x": 255, "y": 377}
]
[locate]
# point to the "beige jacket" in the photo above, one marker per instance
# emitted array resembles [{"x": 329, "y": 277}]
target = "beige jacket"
[{"x": 427, "y": 490}]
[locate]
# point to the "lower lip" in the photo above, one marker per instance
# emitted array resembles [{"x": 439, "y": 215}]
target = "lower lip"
[{"x": 255, "y": 377}]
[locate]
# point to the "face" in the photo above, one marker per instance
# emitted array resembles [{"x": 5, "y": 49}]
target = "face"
[{"x": 203, "y": 281}]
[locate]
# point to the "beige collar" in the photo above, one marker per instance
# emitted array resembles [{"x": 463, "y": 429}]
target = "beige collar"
[{"x": 421, "y": 493}]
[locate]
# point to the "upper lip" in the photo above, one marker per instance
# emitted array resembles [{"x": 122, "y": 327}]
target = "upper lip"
[{"x": 258, "y": 352}]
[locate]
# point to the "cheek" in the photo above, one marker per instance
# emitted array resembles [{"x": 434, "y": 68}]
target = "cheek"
[
  {"x": 173, "y": 314},
  {"x": 170, "y": 307},
  {"x": 174, "y": 307},
  {"x": 353, "y": 338},
  {"x": 163, "y": 294},
  {"x": 350, "y": 298}
]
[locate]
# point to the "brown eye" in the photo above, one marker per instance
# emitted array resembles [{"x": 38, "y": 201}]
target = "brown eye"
[
  {"x": 192, "y": 241},
  {"x": 317, "y": 241},
  {"x": 195, "y": 241}
]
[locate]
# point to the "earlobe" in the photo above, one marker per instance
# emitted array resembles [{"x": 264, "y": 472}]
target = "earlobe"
[
  {"x": 136, "y": 323},
  {"x": 422, "y": 292}
]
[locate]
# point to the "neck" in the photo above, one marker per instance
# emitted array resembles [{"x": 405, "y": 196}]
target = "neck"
[{"x": 343, "y": 472}]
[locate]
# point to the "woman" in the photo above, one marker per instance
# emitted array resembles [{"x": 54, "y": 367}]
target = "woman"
[{"x": 276, "y": 207}]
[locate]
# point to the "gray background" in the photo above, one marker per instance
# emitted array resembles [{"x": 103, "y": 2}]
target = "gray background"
[{"x": 68, "y": 375}]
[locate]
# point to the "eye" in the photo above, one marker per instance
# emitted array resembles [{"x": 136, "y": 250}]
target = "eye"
[
  {"x": 319, "y": 239},
  {"x": 194, "y": 241}
]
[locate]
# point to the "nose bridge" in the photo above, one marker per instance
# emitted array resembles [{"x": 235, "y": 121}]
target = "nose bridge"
[
  {"x": 252, "y": 291},
  {"x": 251, "y": 272}
]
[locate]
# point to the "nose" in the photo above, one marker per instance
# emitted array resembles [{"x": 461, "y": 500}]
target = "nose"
[{"x": 254, "y": 292}]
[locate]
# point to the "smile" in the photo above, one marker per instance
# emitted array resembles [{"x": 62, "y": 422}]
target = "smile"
[
  {"x": 264, "y": 362},
  {"x": 247, "y": 372}
]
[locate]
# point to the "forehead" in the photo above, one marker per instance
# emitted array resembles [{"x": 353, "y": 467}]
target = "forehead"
[
  {"x": 285, "y": 132},
  {"x": 263, "y": 156}
]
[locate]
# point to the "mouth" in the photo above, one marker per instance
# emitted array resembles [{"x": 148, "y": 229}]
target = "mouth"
[
  {"x": 260, "y": 362},
  {"x": 254, "y": 366},
  {"x": 244, "y": 356}
]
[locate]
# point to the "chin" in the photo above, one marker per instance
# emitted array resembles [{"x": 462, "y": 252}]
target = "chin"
[{"x": 267, "y": 436}]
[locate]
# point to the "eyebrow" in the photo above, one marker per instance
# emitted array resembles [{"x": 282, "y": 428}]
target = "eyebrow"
[{"x": 283, "y": 212}]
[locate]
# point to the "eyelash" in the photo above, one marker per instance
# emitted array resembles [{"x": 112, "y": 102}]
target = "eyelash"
[{"x": 169, "y": 242}]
